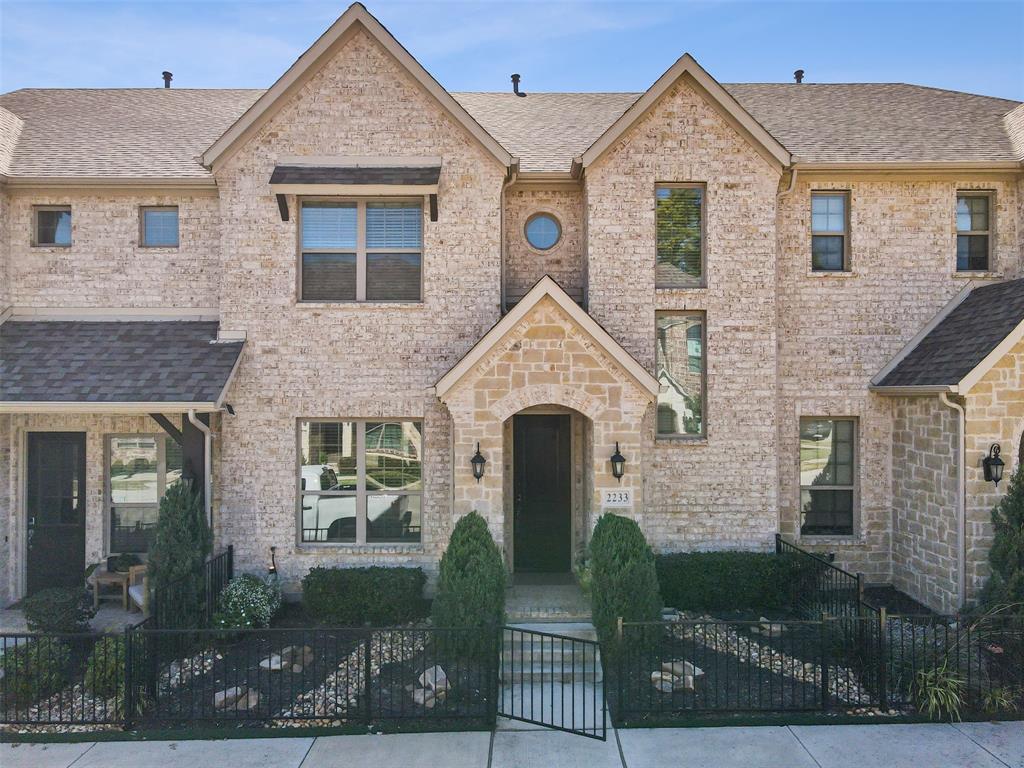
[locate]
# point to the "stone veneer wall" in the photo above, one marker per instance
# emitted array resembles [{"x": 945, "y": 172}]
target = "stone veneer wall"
[
  {"x": 691, "y": 500},
  {"x": 925, "y": 532},
  {"x": 105, "y": 265},
  {"x": 12, "y": 455},
  {"x": 836, "y": 331},
  {"x": 372, "y": 360},
  {"x": 545, "y": 360},
  {"x": 524, "y": 264}
]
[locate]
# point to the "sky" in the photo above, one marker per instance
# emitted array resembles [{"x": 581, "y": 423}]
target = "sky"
[{"x": 556, "y": 46}]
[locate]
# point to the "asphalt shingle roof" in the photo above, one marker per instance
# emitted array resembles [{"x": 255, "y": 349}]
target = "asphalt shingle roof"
[
  {"x": 161, "y": 132},
  {"x": 113, "y": 362},
  {"x": 963, "y": 338},
  {"x": 321, "y": 174}
]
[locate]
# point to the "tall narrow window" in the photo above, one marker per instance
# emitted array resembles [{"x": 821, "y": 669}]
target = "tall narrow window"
[
  {"x": 360, "y": 481},
  {"x": 52, "y": 225},
  {"x": 361, "y": 250},
  {"x": 679, "y": 224},
  {"x": 829, "y": 236},
  {"x": 680, "y": 362},
  {"x": 140, "y": 468},
  {"x": 160, "y": 227},
  {"x": 828, "y": 466},
  {"x": 973, "y": 228}
]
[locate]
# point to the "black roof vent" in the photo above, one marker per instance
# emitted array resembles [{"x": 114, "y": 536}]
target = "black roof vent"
[
  {"x": 515, "y": 86},
  {"x": 798, "y": 76},
  {"x": 167, "y": 78}
]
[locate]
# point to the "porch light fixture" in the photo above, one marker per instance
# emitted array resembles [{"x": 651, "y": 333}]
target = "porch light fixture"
[
  {"x": 478, "y": 462},
  {"x": 618, "y": 463},
  {"x": 993, "y": 465},
  {"x": 272, "y": 570}
]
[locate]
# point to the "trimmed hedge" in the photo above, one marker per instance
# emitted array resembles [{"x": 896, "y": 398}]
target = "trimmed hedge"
[
  {"x": 471, "y": 585},
  {"x": 58, "y": 609},
  {"x": 725, "y": 581},
  {"x": 376, "y": 595},
  {"x": 624, "y": 581}
]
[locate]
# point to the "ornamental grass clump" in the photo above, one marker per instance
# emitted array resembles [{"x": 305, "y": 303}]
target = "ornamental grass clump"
[{"x": 247, "y": 602}]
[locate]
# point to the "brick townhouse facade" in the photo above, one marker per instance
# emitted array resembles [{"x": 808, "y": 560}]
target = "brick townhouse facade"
[{"x": 788, "y": 307}]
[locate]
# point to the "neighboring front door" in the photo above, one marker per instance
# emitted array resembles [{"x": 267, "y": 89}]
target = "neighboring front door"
[
  {"x": 542, "y": 492},
  {"x": 55, "y": 509}
]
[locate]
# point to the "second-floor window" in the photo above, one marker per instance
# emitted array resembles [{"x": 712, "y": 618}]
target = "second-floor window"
[
  {"x": 52, "y": 225},
  {"x": 973, "y": 222},
  {"x": 679, "y": 362},
  {"x": 679, "y": 221},
  {"x": 159, "y": 226},
  {"x": 361, "y": 250},
  {"x": 829, "y": 231}
]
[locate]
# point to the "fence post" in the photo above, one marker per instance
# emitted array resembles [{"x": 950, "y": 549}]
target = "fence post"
[
  {"x": 618, "y": 629},
  {"x": 883, "y": 662},
  {"x": 778, "y": 543},
  {"x": 860, "y": 590},
  {"x": 367, "y": 683},
  {"x": 823, "y": 639},
  {"x": 129, "y": 679},
  {"x": 231, "y": 561}
]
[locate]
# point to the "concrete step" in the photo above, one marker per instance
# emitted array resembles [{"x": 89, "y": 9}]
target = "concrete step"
[
  {"x": 548, "y": 615},
  {"x": 511, "y": 674},
  {"x": 583, "y": 630}
]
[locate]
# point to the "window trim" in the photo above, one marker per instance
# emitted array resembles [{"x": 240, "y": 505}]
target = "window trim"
[
  {"x": 360, "y": 494},
  {"x": 108, "y": 495},
  {"x": 35, "y": 225},
  {"x": 360, "y": 250},
  {"x": 854, "y": 487},
  {"x": 990, "y": 195},
  {"x": 845, "y": 234},
  {"x": 702, "y": 280},
  {"x": 558, "y": 222},
  {"x": 684, "y": 436},
  {"x": 142, "y": 225}
]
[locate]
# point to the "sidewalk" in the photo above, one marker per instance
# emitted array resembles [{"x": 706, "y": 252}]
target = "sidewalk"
[{"x": 964, "y": 745}]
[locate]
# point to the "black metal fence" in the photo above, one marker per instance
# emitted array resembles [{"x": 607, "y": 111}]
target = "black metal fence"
[
  {"x": 191, "y": 601},
  {"x": 818, "y": 586}
]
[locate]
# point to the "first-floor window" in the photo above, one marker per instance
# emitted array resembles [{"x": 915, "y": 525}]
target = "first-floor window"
[
  {"x": 828, "y": 467},
  {"x": 679, "y": 360},
  {"x": 360, "y": 481},
  {"x": 140, "y": 468}
]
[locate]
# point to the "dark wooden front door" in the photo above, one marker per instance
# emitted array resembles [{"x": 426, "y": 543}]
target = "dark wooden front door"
[
  {"x": 542, "y": 492},
  {"x": 55, "y": 509}
]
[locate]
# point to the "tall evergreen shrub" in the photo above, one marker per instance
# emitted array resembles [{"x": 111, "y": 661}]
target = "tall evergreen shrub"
[
  {"x": 625, "y": 582},
  {"x": 471, "y": 586},
  {"x": 181, "y": 544},
  {"x": 1006, "y": 556}
]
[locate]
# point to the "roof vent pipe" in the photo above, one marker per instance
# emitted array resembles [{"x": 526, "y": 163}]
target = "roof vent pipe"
[
  {"x": 798, "y": 76},
  {"x": 167, "y": 78},
  {"x": 515, "y": 86}
]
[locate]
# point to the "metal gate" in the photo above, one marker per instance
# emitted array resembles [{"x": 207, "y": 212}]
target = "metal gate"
[{"x": 553, "y": 680}]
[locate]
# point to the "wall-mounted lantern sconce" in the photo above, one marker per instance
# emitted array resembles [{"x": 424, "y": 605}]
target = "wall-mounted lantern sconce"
[
  {"x": 478, "y": 462},
  {"x": 272, "y": 570},
  {"x": 618, "y": 464},
  {"x": 993, "y": 465}
]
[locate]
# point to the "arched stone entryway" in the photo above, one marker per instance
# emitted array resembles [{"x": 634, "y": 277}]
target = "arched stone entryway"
[{"x": 546, "y": 355}]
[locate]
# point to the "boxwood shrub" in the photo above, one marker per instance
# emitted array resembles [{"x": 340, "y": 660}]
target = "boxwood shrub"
[
  {"x": 58, "y": 609},
  {"x": 624, "y": 581},
  {"x": 726, "y": 581},
  {"x": 376, "y": 595},
  {"x": 32, "y": 671}
]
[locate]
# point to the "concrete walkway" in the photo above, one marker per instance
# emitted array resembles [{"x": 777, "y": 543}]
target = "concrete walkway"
[{"x": 964, "y": 745}]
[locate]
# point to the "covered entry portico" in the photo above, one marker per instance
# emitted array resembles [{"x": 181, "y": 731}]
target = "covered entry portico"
[{"x": 546, "y": 395}]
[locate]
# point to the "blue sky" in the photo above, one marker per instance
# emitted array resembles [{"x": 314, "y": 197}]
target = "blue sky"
[{"x": 586, "y": 46}]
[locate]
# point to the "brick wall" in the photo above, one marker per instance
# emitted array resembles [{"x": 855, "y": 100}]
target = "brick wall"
[
  {"x": 105, "y": 266},
  {"x": 525, "y": 265}
]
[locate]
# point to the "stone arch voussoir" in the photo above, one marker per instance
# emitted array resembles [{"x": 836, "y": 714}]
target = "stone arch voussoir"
[{"x": 548, "y": 394}]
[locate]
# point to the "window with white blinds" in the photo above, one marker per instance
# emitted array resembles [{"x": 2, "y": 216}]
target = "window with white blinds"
[{"x": 361, "y": 250}]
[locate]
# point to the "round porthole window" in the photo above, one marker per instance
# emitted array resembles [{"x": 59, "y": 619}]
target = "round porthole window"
[{"x": 543, "y": 231}]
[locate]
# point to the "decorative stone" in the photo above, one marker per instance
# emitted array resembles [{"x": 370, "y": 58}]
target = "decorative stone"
[
  {"x": 273, "y": 663},
  {"x": 434, "y": 678},
  {"x": 681, "y": 668},
  {"x": 228, "y": 697}
]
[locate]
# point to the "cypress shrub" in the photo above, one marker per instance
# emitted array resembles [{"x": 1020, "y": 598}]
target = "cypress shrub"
[
  {"x": 181, "y": 544},
  {"x": 1005, "y": 586},
  {"x": 356, "y": 596},
  {"x": 725, "y": 581},
  {"x": 624, "y": 579},
  {"x": 471, "y": 586}
]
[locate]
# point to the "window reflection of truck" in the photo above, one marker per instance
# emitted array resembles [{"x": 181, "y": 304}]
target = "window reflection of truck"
[{"x": 333, "y": 518}]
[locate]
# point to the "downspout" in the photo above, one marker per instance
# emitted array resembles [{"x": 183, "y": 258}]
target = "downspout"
[
  {"x": 961, "y": 493},
  {"x": 207, "y": 464}
]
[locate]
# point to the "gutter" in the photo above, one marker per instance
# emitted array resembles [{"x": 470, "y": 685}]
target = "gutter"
[
  {"x": 207, "y": 465},
  {"x": 134, "y": 182},
  {"x": 961, "y": 502}
]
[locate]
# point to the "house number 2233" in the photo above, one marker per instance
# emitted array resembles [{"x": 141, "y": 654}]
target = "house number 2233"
[{"x": 618, "y": 498}]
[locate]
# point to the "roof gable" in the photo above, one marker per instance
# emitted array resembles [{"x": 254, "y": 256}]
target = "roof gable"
[
  {"x": 356, "y": 16},
  {"x": 687, "y": 68},
  {"x": 967, "y": 337},
  {"x": 546, "y": 287}
]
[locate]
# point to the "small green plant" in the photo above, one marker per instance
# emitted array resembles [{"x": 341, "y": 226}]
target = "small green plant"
[
  {"x": 104, "y": 671},
  {"x": 344, "y": 597},
  {"x": 584, "y": 574},
  {"x": 247, "y": 602},
  {"x": 999, "y": 700},
  {"x": 58, "y": 609},
  {"x": 939, "y": 692},
  {"x": 471, "y": 586},
  {"x": 121, "y": 563},
  {"x": 32, "y": 671}
]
